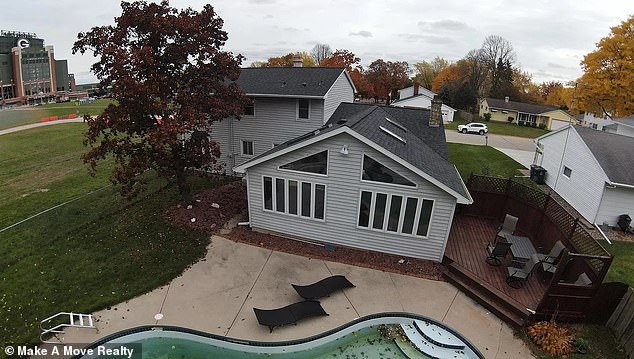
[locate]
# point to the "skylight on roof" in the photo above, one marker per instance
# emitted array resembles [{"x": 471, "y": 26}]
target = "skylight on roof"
[
  {"x": 392, "y": 134},
  {"x": 396, "y": 124}
]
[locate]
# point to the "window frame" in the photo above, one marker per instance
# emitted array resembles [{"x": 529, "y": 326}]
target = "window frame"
[
  {"x": 399, "y": 231},
  {"x": 363, "y": 154},
  {"x": 242, "y": 142},
  {"x": 279, "y": 168},
  {"x": 569, "y": 175},
  {"x": 299, "y": 198},
  {"x": 252, "y": 105},
  {"x": 297, "y": 118}
]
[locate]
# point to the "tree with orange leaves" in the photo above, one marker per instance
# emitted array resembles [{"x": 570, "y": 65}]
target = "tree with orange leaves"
[{"x": 347, "y": 59}]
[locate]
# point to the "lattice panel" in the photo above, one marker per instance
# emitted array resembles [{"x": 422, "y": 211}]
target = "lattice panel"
[
  {"x": 487, "y": 184},
  {"x": 527, "y": 195}
]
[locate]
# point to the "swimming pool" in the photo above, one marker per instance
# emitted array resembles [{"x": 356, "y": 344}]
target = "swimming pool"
[{"x": 385, "y": 335}]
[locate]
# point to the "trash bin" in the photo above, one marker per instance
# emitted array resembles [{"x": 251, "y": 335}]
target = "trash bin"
[
  {"x": 624, "y": 222},
  {"x": 539, "y": 174},
  {"x": 532, "y": 172}
]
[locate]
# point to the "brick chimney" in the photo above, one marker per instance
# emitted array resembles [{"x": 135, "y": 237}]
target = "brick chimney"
[
  {"x": 506, "y": 99},
  {"x": 416, "y": 88},
  {"x": 435, "y": 116},
  {"x": 298, "y": 61}
]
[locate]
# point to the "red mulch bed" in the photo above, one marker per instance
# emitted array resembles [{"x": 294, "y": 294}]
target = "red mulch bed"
[
  {"x": 231, "y": 198},
  {"x": 619, "y": 235},
  {"x": 358, "y": 257}
]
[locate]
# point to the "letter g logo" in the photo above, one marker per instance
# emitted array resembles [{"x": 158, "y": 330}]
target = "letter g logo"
[{"x": 23, "y": 43}]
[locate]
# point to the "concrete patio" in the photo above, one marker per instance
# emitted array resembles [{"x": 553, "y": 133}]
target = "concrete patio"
[{"x": 217, "y": 295}]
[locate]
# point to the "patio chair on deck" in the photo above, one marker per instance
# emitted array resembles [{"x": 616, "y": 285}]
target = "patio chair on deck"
[
  {"x": 508, "y": 227},
  {"x": 290, "y": 314},
  {"x": 323, "y": 288},
  {"x": 549, "y": 261},
  {"x": 517, "y": 276},
  {"x": 495, "y": 251}
]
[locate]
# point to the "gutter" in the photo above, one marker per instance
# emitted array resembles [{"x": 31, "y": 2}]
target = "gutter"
[
  {"x": 285, "y": 96},
  {"x": 603, "y": 234},
  {"x": 614, "y": 185}
]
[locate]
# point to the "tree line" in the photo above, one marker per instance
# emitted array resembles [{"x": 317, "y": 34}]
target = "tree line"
[{"x": 606, "y": 86}]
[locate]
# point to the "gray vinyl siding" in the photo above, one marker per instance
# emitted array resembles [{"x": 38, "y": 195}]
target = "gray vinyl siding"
[
  {"x": 584, "y": 189},
  {"x": 343, "y": 189},
  {"x": 625, "y": 130},
  {"x": 275, "y": 121},
  {"x": 615, "y": 202},
  {"x": 341, "y": 91}
]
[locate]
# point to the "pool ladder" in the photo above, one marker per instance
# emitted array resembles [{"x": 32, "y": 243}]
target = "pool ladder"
[{"x": 75, "y": 320}]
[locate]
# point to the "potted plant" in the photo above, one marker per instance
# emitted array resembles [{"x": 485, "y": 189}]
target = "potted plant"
[{"x": 580, "y": 345}]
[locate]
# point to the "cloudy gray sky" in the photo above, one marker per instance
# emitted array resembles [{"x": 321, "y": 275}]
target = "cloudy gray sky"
[{"x": 550, "y": 36}]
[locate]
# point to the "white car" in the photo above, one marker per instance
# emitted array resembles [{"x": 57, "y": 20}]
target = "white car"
[{"x": 474, "y": 127}]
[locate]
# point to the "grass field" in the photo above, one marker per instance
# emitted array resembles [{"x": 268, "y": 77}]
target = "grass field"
[
  {"x": 86, "y": 255},
  {"x": 481, "y": 160},
  {"x": 32, "y": 114},
  {"x": 501, "y": 128},
  {"x": 622, "y": 268}
]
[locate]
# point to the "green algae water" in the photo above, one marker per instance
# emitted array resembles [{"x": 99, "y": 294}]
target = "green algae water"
[{"x": 366, "y": 343}]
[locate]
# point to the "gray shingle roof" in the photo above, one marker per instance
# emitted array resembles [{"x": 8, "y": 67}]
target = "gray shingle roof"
[
  {"x": 288, "y": 81},
  {"x": 614, "y": 153},
  {"x": 425, "y": 147},
  {"x": 519, "y": 106}
]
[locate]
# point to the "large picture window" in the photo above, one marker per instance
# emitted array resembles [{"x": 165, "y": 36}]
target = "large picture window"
[
  {"x": 377, "y": 172},
  {"x": 317, "y": 163},
  {"x": 395, "y": 213},
  {"x": 303, "y": 199}
]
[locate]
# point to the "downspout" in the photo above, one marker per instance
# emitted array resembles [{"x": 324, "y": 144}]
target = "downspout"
[{"x": 232, "y": 155}]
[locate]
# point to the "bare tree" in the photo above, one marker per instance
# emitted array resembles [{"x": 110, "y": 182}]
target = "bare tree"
[
  {"x": 495, "y": 50},
  {"x": 477, "y": 69},
  {"x": 320, "y": 52}
]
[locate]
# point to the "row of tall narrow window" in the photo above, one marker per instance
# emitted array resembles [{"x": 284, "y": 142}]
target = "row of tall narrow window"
[
  {"x": 395, "y": 213},
  {"x": 297, "y": 198}
]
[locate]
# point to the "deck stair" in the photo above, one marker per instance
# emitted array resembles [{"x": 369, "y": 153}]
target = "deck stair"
[
  {"x": 56, "y": 323},
  {"x": 434, "y": 342},
  {"x": 500, "y": 304}
]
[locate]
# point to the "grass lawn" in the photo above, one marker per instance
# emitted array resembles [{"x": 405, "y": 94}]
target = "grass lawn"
[
  {"x": 97, "y": 251},
  {"x": 622, "y": 268},
  {"x": 32, "y": 114},
  {"x": 501, "y": 128},
  {"x": 481, "y": 160}
]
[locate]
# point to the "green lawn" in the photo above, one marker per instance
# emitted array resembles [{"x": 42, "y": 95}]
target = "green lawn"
[
  {"x": 97, "y": 251},
  {"x": 32, "y": 114},
  {"x": 481, "y": 160},
  {"x": 622, "y": 268},
  {"x": 501, "y": 128}
]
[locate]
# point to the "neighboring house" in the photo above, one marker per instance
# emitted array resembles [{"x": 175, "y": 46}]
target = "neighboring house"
[
  {"x": 622, "y": 126},
  {"x": 526, "y": 114},
  {"x": 420, "y": 97},
  {"x": 374, "y": 177},
  {"x": 287, "y": 102},
  {"x": 591, "y": 170},
  {"x": 590, "y": 120}
]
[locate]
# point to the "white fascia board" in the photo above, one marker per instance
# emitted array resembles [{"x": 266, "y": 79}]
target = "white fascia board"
[
  {"x": 284, "y": 96},
  {"x": 344, "y": 72}
]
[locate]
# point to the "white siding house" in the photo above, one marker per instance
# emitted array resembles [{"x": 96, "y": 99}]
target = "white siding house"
[
  {"x": 287, "y": 102},
  {"x": 420, "y": 97},
  {"x": 622, "y": 126},
  {"x": 591, "y": 170},
  {"x": 365, "y": 180}
]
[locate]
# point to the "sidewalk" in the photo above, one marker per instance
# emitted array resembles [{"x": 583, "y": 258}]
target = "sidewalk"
[
  {"x": 218, "y": 294},
  {"x": 39, "y": 124}
]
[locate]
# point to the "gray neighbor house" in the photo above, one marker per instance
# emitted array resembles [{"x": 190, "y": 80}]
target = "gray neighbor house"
[{"x": 371, "y": 177}]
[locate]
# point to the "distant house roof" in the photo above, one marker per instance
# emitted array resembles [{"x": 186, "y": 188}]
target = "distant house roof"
[
  {"x": 423, "y": 147},
  {"x": 406, "y": 99},
  {"x": 519, "y": 106},
  {"x": 613, "y": 152},
  {"x": 311, "y": 82}
]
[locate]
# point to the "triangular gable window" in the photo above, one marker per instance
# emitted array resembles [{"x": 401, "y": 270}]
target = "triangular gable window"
[
  {"x": 317, "y": 163},
  {"x": 377, "y": 172}
]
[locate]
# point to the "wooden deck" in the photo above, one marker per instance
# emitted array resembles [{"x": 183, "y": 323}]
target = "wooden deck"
[{"x": 466, "y": 252}]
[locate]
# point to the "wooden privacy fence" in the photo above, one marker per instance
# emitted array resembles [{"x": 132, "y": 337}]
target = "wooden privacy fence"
[
  {"x": 622, "y": 322},
  {"x": 546, "y": 221}
]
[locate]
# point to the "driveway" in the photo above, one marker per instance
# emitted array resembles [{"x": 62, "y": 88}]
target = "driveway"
[
  {"x": 520, "y": 149},
  {"x": 217, "y": 294}
]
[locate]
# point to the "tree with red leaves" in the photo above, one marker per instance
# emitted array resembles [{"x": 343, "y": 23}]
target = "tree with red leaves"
[
  {"x": 170, "y": 80},
  {"x": 386, "y": 77},
  {"x": 347, "y": 59}
]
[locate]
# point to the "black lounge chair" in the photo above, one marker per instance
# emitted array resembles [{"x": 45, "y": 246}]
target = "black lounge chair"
[
  {"x": 290, "y": 314},
  {"x": 323, "y": 288}
]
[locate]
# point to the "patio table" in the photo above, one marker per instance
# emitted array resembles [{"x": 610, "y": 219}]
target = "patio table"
[{"x": 521, "y": 248}]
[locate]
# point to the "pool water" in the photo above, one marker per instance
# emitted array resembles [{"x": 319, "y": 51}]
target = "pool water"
[{"x": 365, "y": 343}]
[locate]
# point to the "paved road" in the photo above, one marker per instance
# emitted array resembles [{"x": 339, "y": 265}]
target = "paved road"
[
  {"x": 520, "y": 149},
  {"x": 39, "y": 124}
]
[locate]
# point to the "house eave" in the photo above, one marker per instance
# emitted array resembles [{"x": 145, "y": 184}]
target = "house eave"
[{"x": 285, "y": 96}]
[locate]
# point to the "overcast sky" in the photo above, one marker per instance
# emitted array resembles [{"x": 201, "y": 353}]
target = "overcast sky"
[{"x": 550, "y": 37}]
